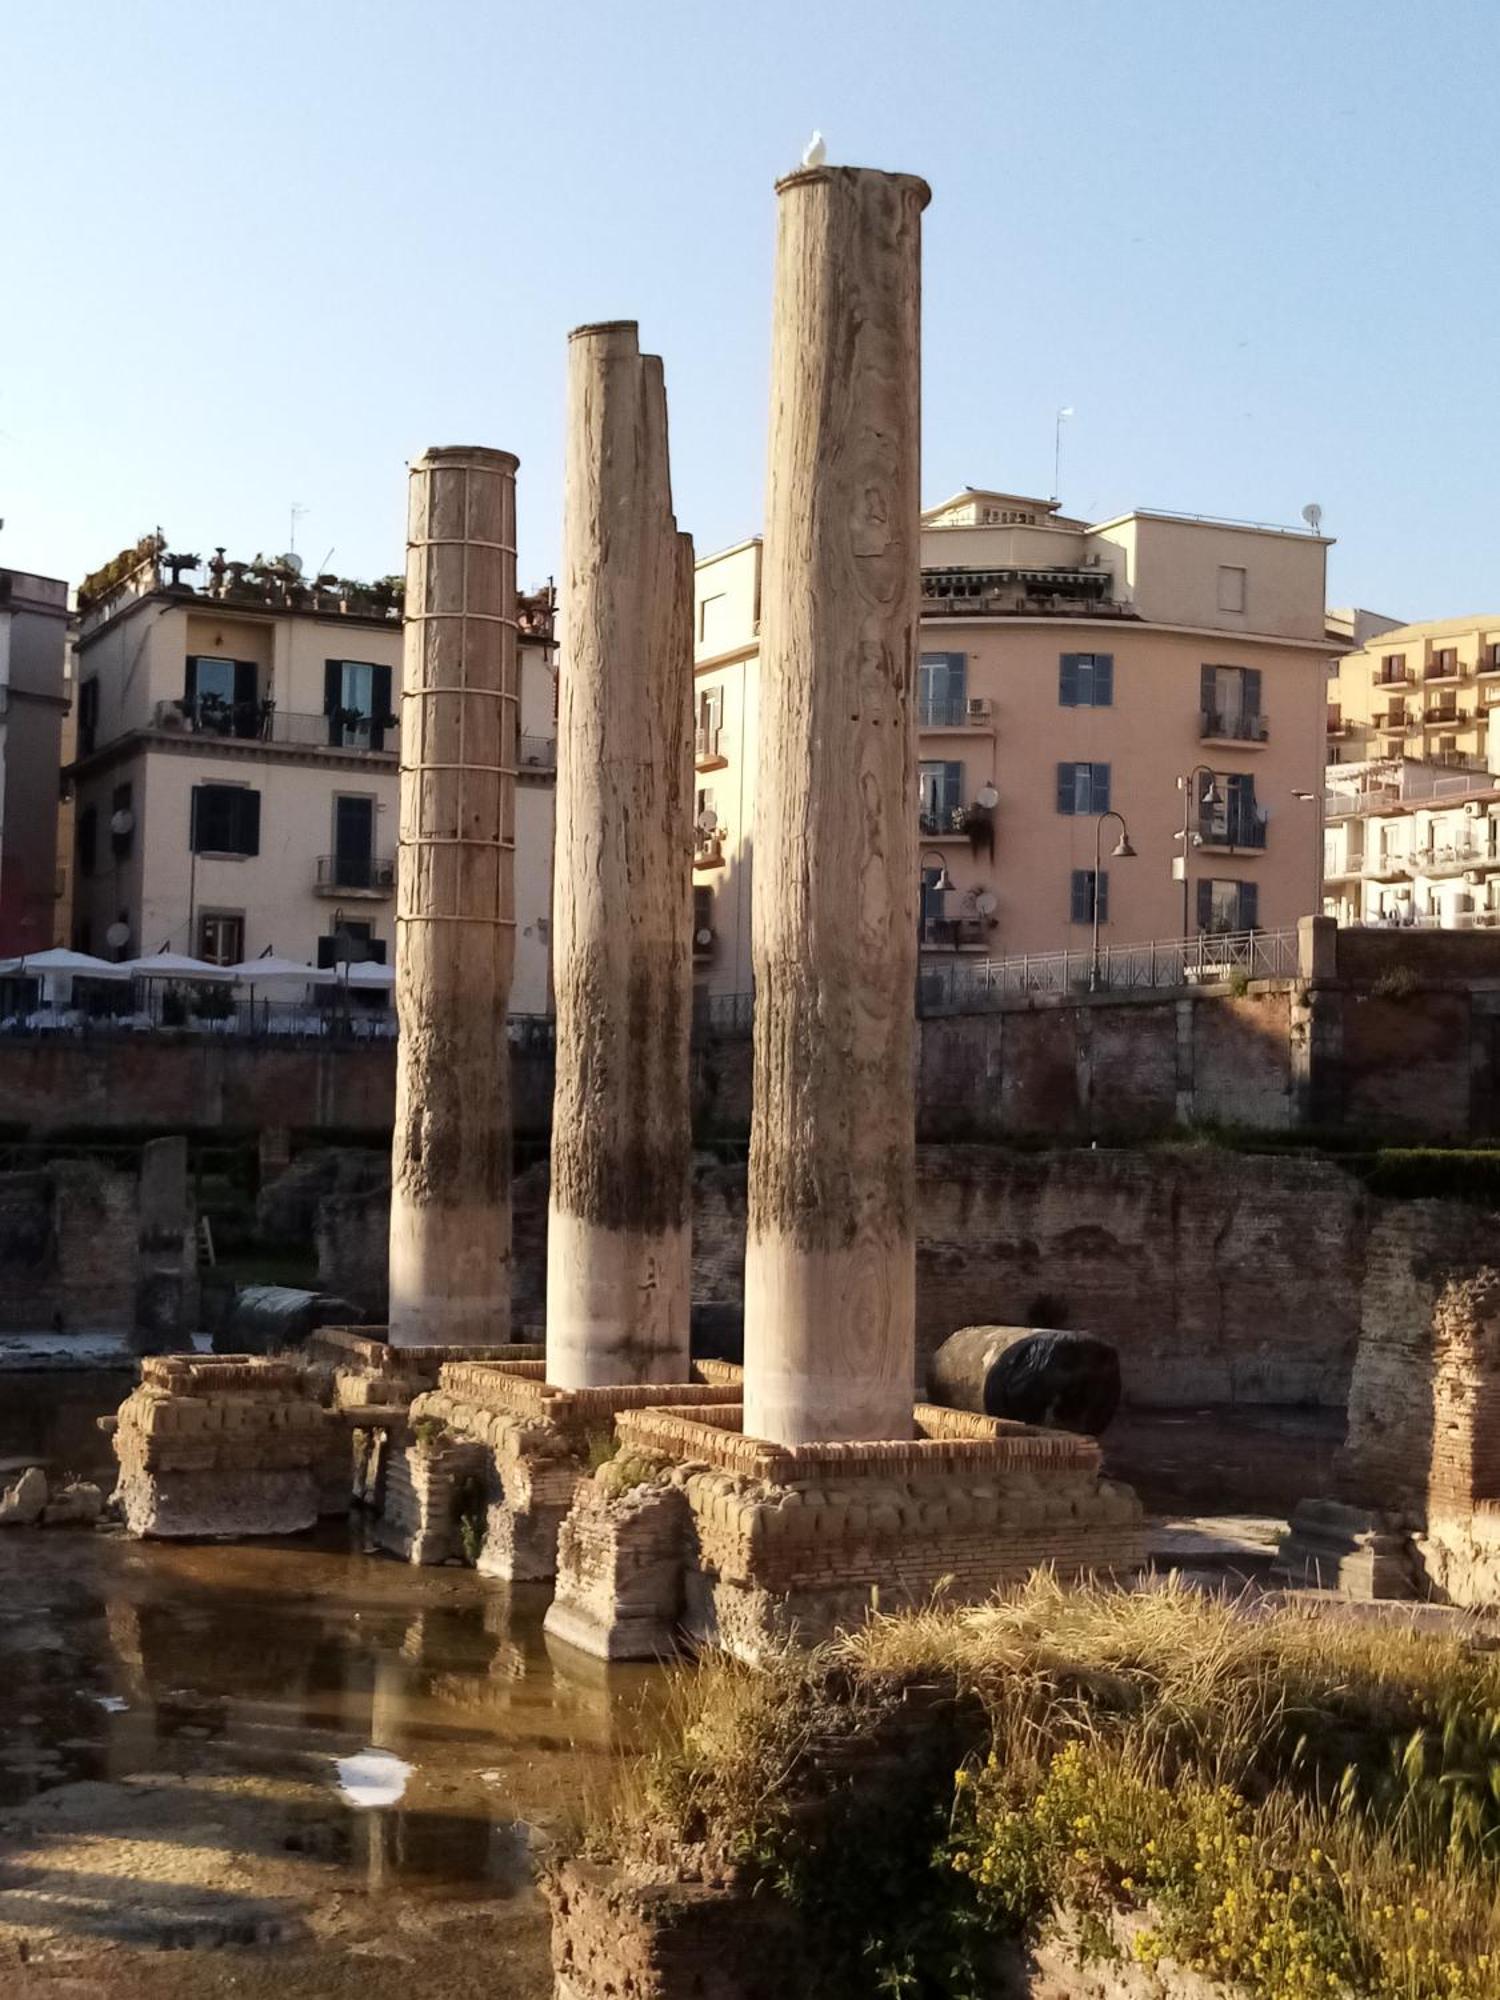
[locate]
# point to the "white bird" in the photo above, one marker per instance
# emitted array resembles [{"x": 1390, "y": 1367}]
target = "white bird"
[{"x": 814, "y": 153}]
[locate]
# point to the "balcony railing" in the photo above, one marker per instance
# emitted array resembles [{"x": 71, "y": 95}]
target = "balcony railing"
[
  {"x": 356, "y": 875},
  {"x": 952, "y": 712},
  {"x": 954, "y": 933},
  {"x": 1232, "y": 728},
  {"x": 536, "y": 753},
  {"x": 1242, "y": 829},
  {"x": 264, "y": 722},
  {"x": 1165, "y": 962},
  {"x": 706, "y": 748}
]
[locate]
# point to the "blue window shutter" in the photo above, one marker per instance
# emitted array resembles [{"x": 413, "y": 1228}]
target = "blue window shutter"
[
  {"x": 1066, "y": 784},
  {"x": 1099, "y": 788},
  {"x": 1104, "y": 680},
  {"x": 1205, "y": 905},
  {"x": 1207, "y": 689},
  {"x": 1079, "y": 911},
  {"x": 1249, "y": 906},
  {"x": 1250, "y": 679},
  {"x": 1067, "y": 681},
  {"x": 1101, "y": 890}
]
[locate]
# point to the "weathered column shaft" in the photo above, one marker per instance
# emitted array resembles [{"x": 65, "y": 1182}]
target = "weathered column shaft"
[
  {"x": 455, "y": 911},
  {"x": 830, "y": 1264},
  {"x": 618, "y": 1257}
]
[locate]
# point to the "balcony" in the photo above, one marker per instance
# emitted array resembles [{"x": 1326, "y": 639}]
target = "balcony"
[
  {"x": 708, "y": 754},
  {"x": 536, "y": 753},
  {"x": 1437, "y": 713},
  {"x": 1396, "y": 677},
  {"x": 1241, "y": 832},
  {"x": 263, "y": 722},
  {"x": 946, "y": 825},
  {"x": 708, "y": 849},
  {"x": 955, "y": 934},
  {"x": 952, "y": 712},
  {"x": 364, "y": 875},
  {"x": 1440, "y": 671},
  {"x": 1450, "y": 857},
  {"x": 1217, "y": 728}
]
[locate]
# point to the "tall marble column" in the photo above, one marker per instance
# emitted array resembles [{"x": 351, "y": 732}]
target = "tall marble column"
[
  {"x": 450, "y": 1242},
  {"x": 830, "y": 1263},
  {"x": 618, "y": 1263}
]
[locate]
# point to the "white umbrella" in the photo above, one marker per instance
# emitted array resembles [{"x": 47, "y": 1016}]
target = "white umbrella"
[
  {"x": 366, "y": 973},
  {"x": 174, "y": 965},
  {"x": 79, "y": 963},
  {"x": 274, "y": 971}
]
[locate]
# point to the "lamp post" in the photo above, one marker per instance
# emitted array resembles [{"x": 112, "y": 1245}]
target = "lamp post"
[
  {"x": 1188, "y": 838},
  {"x": 1121, "y": 851}
]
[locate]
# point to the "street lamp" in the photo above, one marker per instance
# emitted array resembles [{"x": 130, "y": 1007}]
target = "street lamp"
[
  {"x": 1190, "y": 839},
  {"x": 1121, "y": 851}
]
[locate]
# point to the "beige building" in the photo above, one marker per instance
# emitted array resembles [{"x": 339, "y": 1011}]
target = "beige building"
[
  {"x": 1410, "y": 843},
  {"x": 33, "y": 704},
  {"x": 1418, "y": 693},
  {"x": 237, "y": 767},
  {"x": 1165, "y": 667}
]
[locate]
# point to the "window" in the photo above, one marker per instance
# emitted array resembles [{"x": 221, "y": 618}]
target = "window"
[
  {"x": 352, "y": 943},
  {"x": 221, "y": 697},
  {"x": 934, "y": 903},
  {"x": 1081, "y": 909},
  {"x": 88, "y": 717},
  {"x": 1444, "y": 661},
  {"x": 1086, "y": 680},
  {"x": 1228, "y": 906},
  {"x": 1083, "y": 788},
  {"x": 353, "y": 842},
  {"x": 88, "y": 839},
  {"x": 1233, "y": 585},
  {"x": 1228, "y": 815},
  {"x": 224, "y": 819},
  {"x": 1230, "y": 701},
  {"x": 942, "y": 787},
  {"x": 221, "y": 937},
  {"x": 1393, "y": 669},
  {"x": 713, "y": 617},
  {"x": 941, "y": 690},
  {"x": 708, "y": 834},
  {"x": 357, "y": 702},
  {"x": 122, "y": 820},
  {"x": 710, "y": 725}
]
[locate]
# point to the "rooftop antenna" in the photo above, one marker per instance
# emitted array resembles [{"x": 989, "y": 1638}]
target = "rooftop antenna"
[
  {"x": 1062, "y": 417},
  {"x": 1312, "y": 513},
  {"x": 298, "y": 510}
]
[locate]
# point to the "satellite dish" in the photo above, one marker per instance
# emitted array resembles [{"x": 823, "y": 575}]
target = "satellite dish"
[
  {"x": 987, "y": 797},
  {"x": 986, "y": 902},
  {"x": 118, "y": 934},
  {"x": 703, "y": 937},
  {"x": 707, "y": 820},
  {"x": 122, "y": 822},
  {"x": 290, "y": 561},
  {"x": 1312, "y": 513}
]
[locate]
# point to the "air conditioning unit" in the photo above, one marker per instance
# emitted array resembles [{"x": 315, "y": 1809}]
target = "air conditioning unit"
[
  {"x": 978, "y": 709},
  {"x": 1473, "y": 876},
  {"x": 383, "y": 874},
  {"x": 1473, "y": 809}
]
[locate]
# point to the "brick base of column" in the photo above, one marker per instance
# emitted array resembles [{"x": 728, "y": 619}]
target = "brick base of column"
[{"x": 699, "y": 1532}]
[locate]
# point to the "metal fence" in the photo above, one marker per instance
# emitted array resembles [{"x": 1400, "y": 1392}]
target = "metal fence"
[{"x": 966, "y": 988}]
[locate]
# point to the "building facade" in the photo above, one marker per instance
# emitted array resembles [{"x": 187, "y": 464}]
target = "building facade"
[
  {"x": 33, "y": 704},
  {"x": 1170, "y": 669},
  {"x": 236, "y": 777},
  {"x": 1417, "y": 694},
  {"x": 1412, "y": 843}
]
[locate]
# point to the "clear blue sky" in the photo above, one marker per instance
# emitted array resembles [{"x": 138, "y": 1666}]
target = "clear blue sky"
[{"x": 260, "y": 254}]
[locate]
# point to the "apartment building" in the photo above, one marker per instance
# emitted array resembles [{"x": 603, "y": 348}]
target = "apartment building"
[
  {"x": 236, "y": 776},
  {"x": 1170, "y": 669},
  {"x": 1417, "y": 694},
  {"x": 1412, "y": 843},
  {"x": 33, "y": 703}
]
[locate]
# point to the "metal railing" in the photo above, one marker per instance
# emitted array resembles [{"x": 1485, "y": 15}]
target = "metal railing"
[
  {"x": 367, "y": 874},
  {"x": 536, "y": 753},
  {"x": 951, "y": 712},
  {"x": 1213, "y": 725},
  {"x": 262, "y": 721},
  {"x": 1193, "y": 961}
]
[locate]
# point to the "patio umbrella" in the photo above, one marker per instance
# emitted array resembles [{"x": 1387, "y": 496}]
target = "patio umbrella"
[
  {"x": 273, "y": 971},
  {"x": 38, "y": 964},
  {"x": 367, "y": 974},
  {"x": 173, "y": 965}
]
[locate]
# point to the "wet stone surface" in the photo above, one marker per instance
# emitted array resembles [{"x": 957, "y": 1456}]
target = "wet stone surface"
[{"x": 293, "y": 1769}]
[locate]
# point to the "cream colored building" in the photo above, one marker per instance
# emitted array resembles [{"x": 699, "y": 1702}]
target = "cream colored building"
[
  {"x": 33, "y": 705},
  {"x": 1421, "y": 693},
  {"x": 1165, "y": 667},
  {"x": 235, "y": 785},
  {"x": 1412, "y": 843}
]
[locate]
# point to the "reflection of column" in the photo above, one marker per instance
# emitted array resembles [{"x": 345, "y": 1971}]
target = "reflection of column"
[
  {"x": 618, "y": 1272},
  {"x": 830, "y": 1262},
  {"x": 450, "y": 1164}
]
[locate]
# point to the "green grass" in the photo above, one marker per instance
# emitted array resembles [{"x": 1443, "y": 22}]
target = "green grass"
[{"x": 1300, "y": 1803}]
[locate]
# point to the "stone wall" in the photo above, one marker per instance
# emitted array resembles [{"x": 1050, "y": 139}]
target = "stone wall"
[{"x": 68, "y": 1254}]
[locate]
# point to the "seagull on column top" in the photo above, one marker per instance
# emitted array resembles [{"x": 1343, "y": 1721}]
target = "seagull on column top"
[{"x": 814, "y": 153}]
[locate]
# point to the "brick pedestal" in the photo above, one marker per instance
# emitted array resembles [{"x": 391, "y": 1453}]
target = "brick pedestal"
[
  {"x": 744, "y": 1545},
  {"x": 534, "y": 1444},
  {"x": 232, "y": 1445}
]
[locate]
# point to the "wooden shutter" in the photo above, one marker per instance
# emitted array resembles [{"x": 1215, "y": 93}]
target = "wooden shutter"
[
  {"x": 333, "y": 695},
  {"x": 190, "y": 681},
  {"x": 1101, "y": 890},
  {"x": 1067, "y": 788},
  {"x": 1104, "y": 680},
  {"x": 1250, "y": 690},
  {"x": 1067, "y": 681},
  {"x": 246, "y": 821},
  {"x": 1099, "y": 788},
  {"x": 1249, "y": 913},
  {"x": 1082, "y": 901},
  {"x": 1208, "y": 688},
  {"x": 1205, "y": 905},
  {"x": 246, "y": 721},
  {"x": 380, "y": 703}
]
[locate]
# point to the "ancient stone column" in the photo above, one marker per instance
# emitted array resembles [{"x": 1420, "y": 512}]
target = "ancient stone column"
[
  {"x": 455, "y": 912},
  {"x": 618, "y": 1271},
  {"x": 830, "y": 1263}
]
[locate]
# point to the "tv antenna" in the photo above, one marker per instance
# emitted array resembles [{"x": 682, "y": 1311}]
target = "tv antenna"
[{"x": 297, "y": 511}]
